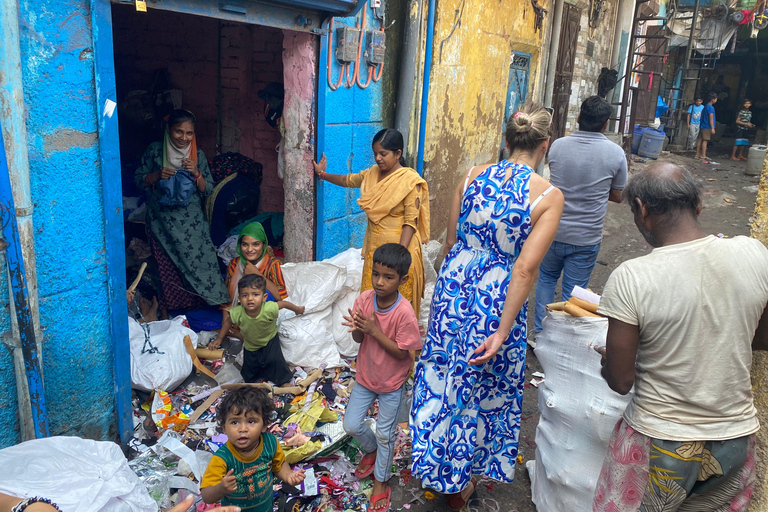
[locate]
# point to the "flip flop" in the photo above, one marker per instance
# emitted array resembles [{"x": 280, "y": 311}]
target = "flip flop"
[
  {"x": 366, "y": 466},
  {"x": 375, "y": 499},
  {"x": 457, "y": 501}
]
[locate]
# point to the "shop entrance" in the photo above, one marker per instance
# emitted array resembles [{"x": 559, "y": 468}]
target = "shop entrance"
[{"x": 230, "y": 75}]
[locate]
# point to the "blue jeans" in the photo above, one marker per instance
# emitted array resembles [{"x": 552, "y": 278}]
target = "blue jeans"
[
  {"x": 383, "y": 441},
  {"x": 575, "y": 262}
]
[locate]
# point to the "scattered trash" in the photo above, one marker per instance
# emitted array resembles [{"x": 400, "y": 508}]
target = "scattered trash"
[
  {"x": 720, "y": 235},
  {"x": 639, "y": 160},
  {"x": 519, "y": 459},
  {"x": 727, "y": 200},
  {"x": 535, "y": 382},
  {"x": 752, "y": 188},
  {"x": 538, "y": 375},
  {"x": 429, "y": 495},
  {"x": 710, "y": 179}
]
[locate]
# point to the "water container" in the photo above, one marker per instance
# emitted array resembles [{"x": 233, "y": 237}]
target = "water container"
[
  {"x": 651, "y": 144},
  {"x": 637, "y": 136},
  {"x": 755, "y": 160}
]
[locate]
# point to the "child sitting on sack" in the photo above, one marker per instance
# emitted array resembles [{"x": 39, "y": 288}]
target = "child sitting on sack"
[{"x": 257, "y": 320}]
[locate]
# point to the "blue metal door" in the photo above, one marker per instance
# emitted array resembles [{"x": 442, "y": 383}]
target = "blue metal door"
[{"x": 517, "y": 90}]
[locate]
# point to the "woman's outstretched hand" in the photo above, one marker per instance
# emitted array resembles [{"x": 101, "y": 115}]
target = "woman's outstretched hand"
[
  {"x": 489, "y": 349},
  {"x": 320, "y": 166}
]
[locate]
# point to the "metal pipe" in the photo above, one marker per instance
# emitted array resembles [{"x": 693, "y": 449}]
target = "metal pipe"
[
  {"x": 409, "y": 61},
  {"x": 617, "y": 56},
  {"x": 554, "y": 48},
  {"x": 628, "y": 74},
  {"x": 425, "y": 87},
  {"x": 683, "y": 77},
  {"x": 15, "y": 260},
  {"x": 14, "y": 131}
]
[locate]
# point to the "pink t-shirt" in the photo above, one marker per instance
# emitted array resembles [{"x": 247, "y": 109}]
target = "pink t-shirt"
[{"x": 377, "y": 370}]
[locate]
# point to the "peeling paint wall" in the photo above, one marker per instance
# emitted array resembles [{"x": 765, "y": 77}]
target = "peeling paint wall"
[
  {"x": 300, "y": 78},
  {"x": 471, "y": 56},
  {"x": 592, "y": 54},
  {"x": 760, "y": 361},
  {"x": 352, "y": 116},
  {"x": 68, "y": 219}
]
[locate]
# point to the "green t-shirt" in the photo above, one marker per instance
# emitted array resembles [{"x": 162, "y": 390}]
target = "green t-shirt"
[{"x": 257, "y": 331}]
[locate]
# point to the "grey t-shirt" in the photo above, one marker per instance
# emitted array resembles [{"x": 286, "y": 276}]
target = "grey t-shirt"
[{"x": 585, "y": 166}]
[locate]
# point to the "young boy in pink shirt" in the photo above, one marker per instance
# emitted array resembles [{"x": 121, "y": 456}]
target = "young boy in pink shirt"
[{"x": 387, "y": 329}]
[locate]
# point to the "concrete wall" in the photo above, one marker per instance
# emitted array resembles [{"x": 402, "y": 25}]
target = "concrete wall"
[
  {"x": 586, "y": 69},
  {"x": 471, "y": 54},
  {"x": 197, "y": 51},
  {"x": 351, "y": 118},
  {"x": 58, "y": 81},
  {"x": 760, "y": 361}
]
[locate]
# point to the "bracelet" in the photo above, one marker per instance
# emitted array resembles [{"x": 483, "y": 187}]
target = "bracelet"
[
  {"x": 198, "y": 177},
  {"x": 322, "y": 176},
  {"x": 21, "y": 506}
]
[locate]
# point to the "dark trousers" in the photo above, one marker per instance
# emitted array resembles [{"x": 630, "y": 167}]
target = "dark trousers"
[{"x": 266, "y": 363}]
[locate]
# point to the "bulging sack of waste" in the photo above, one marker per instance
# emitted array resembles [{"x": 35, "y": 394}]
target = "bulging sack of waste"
[
  {"x": 79, "y": 475},
  {"x": 159, "y": 358},
  {"x": 578, "y": 413}
]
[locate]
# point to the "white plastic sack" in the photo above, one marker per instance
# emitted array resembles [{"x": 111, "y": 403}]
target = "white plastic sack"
[
  {"x": 151, "y": 371},
  {"x": 326, "y": 289},
  {"x": 430, "y": 252},
  {"x": 578, "y": 414},
  {"x": 79, "y": 475}
]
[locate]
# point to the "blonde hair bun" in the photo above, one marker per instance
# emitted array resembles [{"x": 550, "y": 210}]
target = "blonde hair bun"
[{"x": 528, "y": 127}]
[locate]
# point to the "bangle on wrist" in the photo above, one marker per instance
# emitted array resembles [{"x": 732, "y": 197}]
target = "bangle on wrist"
[{"x": 322, "y": 175}]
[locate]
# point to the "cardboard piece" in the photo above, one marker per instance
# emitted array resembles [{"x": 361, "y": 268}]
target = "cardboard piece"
[
  {"x": 195, "y": 361},
  {"x": 205, "y": 405}
]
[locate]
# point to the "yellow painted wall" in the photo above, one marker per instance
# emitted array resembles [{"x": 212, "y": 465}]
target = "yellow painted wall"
[
  {"x": 760, "y": 362},
  {"x": 473, "y": 42}
]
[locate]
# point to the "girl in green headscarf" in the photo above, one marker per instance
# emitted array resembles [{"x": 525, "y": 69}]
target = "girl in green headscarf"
[{"x": 255, "y": 258}]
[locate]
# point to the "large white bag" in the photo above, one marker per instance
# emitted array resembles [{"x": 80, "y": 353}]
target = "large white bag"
[
  {"x": 325, "y": 288},
  {"x": 578, "y": 414},
  {"x": 79, "y": 475},
  {"x": 151, "y": 371}
]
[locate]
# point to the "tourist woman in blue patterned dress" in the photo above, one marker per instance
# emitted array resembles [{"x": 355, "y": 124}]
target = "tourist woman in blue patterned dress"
[{"x": 468, "y": 390}]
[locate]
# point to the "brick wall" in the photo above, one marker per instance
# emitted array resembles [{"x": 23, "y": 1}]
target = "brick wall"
[{"x": 188, "y": 46}]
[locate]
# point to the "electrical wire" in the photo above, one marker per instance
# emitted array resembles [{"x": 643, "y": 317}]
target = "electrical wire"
[{"x": 331, "y": 85}]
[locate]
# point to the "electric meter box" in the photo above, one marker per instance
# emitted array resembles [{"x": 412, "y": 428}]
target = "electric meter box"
[
  {"x": 346, "y": 44},
  {"x": 377, "y": 47}
]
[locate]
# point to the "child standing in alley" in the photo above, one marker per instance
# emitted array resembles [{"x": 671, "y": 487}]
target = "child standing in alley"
[
  {"x": 743, "y": 124},
  {"x": 694, "y": 121},
  {"x": 707, "y": 126},
  {"x": 240, "y": 472},
  {"x": 387, "y": 329},
  {"x": 257, "y": 320}
]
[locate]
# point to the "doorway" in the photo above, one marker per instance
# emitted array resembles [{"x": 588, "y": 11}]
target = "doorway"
[{"x": 566, "y": 56}]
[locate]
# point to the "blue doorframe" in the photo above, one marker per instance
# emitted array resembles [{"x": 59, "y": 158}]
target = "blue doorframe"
[{"x": 112, "y": 193}]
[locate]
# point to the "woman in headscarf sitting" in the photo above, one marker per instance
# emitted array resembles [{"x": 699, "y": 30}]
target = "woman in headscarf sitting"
[
  {"x": 176, "y": 177},
  {"x": 255, "y": 258}
]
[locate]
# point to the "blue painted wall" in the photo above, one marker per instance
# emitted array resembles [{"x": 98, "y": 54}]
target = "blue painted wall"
[
  {"x": 9, "y": 419},
  {"x": 350, "y": 118},
  {"x": 61, "y": 116}
]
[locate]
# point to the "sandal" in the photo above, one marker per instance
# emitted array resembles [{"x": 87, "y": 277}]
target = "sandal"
[
  {"x": 383, "y": 496},
  {"x": 458, "y": 500},
  {"x": 366, "y": 466}
]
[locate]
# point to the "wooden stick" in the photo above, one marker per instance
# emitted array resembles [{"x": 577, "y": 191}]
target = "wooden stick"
[
  {"x": 135, "y": 282},
  {"x": 205, "y": 405}
]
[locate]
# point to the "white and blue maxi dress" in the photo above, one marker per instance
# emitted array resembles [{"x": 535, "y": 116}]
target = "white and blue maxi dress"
[{"x": 465, "y": 419}]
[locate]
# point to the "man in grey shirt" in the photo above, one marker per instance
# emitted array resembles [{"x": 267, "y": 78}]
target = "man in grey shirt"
[{"x": 590, "y": 170}]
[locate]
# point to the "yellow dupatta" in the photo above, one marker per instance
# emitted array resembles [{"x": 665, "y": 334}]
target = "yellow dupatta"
[{"x": 378, "y": 198}]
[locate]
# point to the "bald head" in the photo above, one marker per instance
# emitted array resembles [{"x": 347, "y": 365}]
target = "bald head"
[{"x": 664, "y": 188}]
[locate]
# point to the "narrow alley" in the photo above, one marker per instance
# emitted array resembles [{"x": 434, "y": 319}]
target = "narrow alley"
[{"x": 383, "y": 255}]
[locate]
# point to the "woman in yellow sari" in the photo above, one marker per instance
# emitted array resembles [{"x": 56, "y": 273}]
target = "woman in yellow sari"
[{"x": 396, "y": 200}]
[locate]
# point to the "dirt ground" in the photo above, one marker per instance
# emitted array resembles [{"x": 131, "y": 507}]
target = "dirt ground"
[{"x": 729, "y": 200}]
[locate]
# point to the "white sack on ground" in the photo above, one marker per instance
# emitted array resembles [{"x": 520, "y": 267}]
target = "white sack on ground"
[
  {"x": 324, "y": 288},
  {"x": 578, "y": 414},
  {"x": 79, "y": 475},
  {"x": 430, "y": 253},
  {"x": 166, "y": 370}
]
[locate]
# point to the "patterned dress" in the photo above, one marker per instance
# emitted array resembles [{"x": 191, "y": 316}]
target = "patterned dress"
[
  {"x": 466, "y": 419},
  {"x": 181, "y": 241}
]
